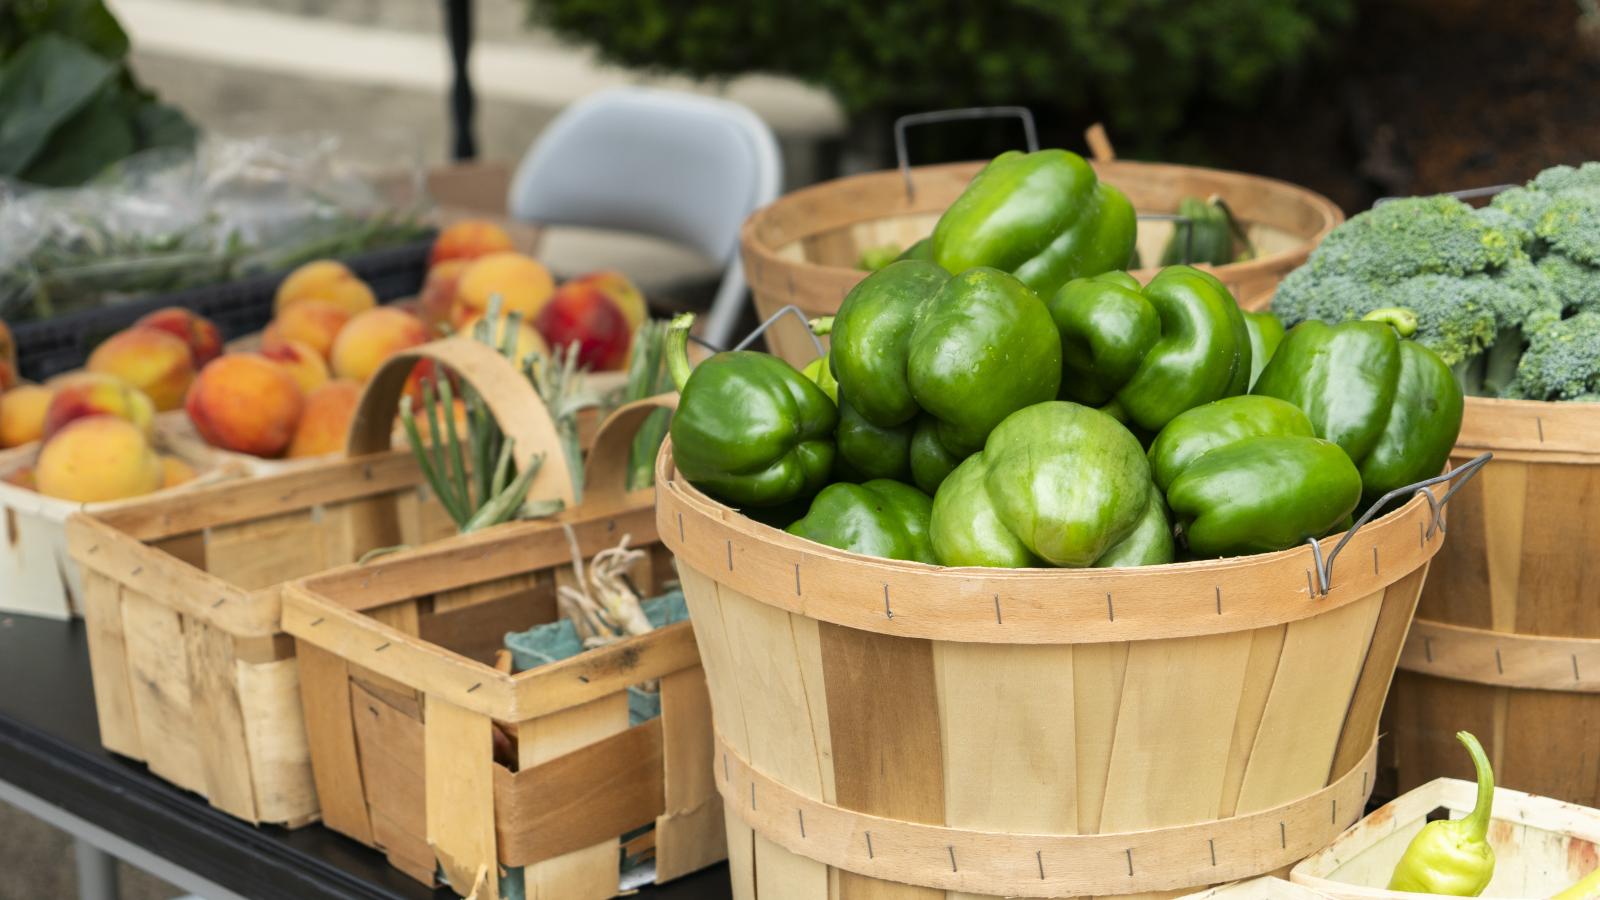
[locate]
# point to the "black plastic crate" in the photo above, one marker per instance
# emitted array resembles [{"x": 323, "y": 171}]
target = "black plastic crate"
[{"x": 52, "y": 346}]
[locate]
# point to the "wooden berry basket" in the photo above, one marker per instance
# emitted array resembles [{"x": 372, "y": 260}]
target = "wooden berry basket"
[
  {"x": 802, "y": 249},
  {"x": 1263, "y": 888},
  {"x": 1036, "y": 733},
  {"x": 37, "y": 574},
  {"x": 1507, "y": 638},
  {"x": 402, "y": 705},
  {"x": 193, "y": 673},
  {"x": 1541, "y": 846}
]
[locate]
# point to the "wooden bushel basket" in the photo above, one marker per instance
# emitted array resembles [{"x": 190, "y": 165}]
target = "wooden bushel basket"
[
  {"x": 1541, "y": 846},
  {"x": 1030, "y": 732},
  {"x": 802, "y": 249},
  {"x": 193, "y": 673},
  {"x": 37, "y": 574},
  {"x": 402, "y": 704},
  {"x": 1507, "y": 638}
]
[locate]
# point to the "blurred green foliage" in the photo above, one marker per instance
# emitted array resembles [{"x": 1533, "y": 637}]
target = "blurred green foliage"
[
  {"x": 1139, "y": 63},
  {"x": 69, "y": 105}
]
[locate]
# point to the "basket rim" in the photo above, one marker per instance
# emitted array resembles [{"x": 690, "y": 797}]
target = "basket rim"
[
  {"x": 767, "y": 256},
  {"x": 1532, "y": 430},
  {"x": 1033, "y": 605}
]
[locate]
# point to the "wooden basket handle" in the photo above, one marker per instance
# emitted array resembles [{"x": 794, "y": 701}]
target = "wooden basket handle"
[
  {"x": 1099, "y": 143},
  {"x": 613, "y": 441},
  {"x": 513, "y": 402}
]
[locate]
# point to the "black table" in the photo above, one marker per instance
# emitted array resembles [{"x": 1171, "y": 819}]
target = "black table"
[{"x": 53, "y": 767}]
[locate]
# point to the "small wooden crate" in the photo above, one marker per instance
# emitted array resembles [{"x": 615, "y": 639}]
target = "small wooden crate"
[
  {"x": 37, "y": 575},
  {"x": 403, "y": 708},
  {"x": 1264, "y": 888},
  {"x": 1541, "y": 845},
  {"x": 192, "y": 671}
]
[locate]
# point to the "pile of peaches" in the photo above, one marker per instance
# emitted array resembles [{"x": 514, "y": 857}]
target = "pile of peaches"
[{"x": 294, "y": 396}]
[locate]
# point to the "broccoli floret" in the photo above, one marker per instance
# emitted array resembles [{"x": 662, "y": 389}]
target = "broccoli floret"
[
  {"x": 1570, "y": 227},
  {"x": 1563, "y": 179},
  {"x": 1562, "y": 361},
  {"x": 1414, "y": 236},
  {"x": 1516, "y": 227},
  {"x": 1525, "y": 205},
  {"x": 1576, "y": 284}
]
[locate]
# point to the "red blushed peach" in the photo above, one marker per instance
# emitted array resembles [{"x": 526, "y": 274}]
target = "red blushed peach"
[
  {"x": 327, "y": 280},
  {"x": 373, "y": 337},
  {"x": 580, "y": 313},
  {"x": 246, "y": 403},
  {"x": 469, "y": 239},
  {"x": 329, "y": 410},
  {"x": 311, "y": 322},
  {"x": 437, "y": 299},
  {"x": 149, "y": 359},
  {"x": 521, "y": 283},
  {"x": 98, "y": 458},
  {"x": 205, "y": 342},
  {"x": 303, "y": 364},
  {"x": 22, "y": 412},
  {"x": 87, "y": 394},
  {"x": 175, "y": 471}
]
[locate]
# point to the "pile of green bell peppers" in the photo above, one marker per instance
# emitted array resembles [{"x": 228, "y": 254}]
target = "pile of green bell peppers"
[{"x": 1004, "y": 395}]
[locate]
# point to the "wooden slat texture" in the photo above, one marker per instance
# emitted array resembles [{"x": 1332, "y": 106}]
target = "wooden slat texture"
[
  {"x": 883, "y": 709},
  {"x": 605, "y": 670},
  {"x": 458, "y": 758},
  {"x": 268, "y": 550},
  {"x": 1378, "y": 671},
  {"x": 1097, "y": 674},
  {"x": 108, "y": 665},
  {"x": 275, "y": 732},
  {"x": 477, "y": 630},
  {"x": 582, "y": 798},
  {"x": 219, "y": 721},
  {"x": 160, "y": 683},
  {"x": 689, "y": 832},
  {"x": 590, "y": 871},
  {"x": 330, "y": 735},
  {"x": 390, "y": 747}
]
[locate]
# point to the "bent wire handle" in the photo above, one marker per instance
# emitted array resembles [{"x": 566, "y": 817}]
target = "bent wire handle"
[
  {"x": 1178, "y": 221},
  {"x": 1463, "y": 472},
  {"x": 1031, "y": 134},
  {"x": 1465, "y": 194},
  {"x": 791, "y": 309}
]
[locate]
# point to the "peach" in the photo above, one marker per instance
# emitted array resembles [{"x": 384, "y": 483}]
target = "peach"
[
  {"x": 521, "y": 283},
  {"x": 529, "y": 340},
  {"x": 329, "y": 410},
  {"x": 246, "y": 403},
  {"x": 327, "y": 280},
  {"x": 303, "y": 364},
  {"x": 594, "y": 313},
  {"x": 371, "y": 338},
  {"x": 437, "y": 299},
  {"x": 469, "y": 239},
  {"x": 22, "y": 412},
  {"x": 98, "y": 458},
  {"x": 88, "y": 394},
  {"x": 175, "y": 471},
  {"x": 312, "y": 322},
  {"x": 151, "y": 360},
  {"x": 205, "y": 342}
]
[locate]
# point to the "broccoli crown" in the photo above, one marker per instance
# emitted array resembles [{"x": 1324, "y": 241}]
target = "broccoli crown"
[
  {"x": 1576, "y": 284},
  {"x": 1517, "y": 228},
  {"x": 1563, "y": 179},
  {"x": 1523, "y": 204},
  {"x": 1570, "y": 226},
  {"x": 1562, "y": 361},
  {"x": 1414, "y": 236}
]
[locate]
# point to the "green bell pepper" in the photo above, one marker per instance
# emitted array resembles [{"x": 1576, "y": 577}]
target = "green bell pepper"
[
  {"x": 931, "y": 463},
  {"x": 969, "y": 349},
  {"x": 749, "y": 429},
  {"x": 1196, "y": 432},
  {"x": 877, "y": 518},
  {"x": 1056, "y": 483},
  {"x": 1043, "y": 217},
  {"x": 1154, "y": 351},
  {"x": 1391, "y": 403},
  {"x": 1266, "y": 333},
  {"x": 869, "y": 451},
  {"x": 1263, "y": 494},
  {"x": 1211, "y": 232}
]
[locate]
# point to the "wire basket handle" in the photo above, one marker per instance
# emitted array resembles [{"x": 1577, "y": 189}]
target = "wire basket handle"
[
  {"x": 1030, "y": 133},
  {"x": 1463, "y": 472}
]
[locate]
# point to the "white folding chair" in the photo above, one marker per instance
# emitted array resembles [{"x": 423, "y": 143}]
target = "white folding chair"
[{"x": 682, "y": 167}]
